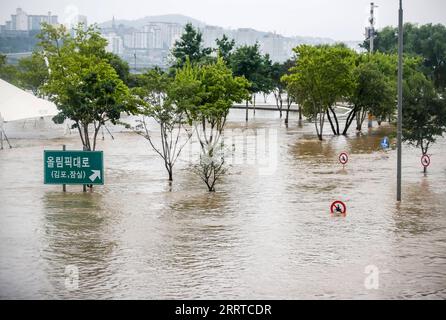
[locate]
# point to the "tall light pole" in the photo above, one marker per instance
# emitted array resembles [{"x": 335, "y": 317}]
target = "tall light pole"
[
  {"x": 134, "y": 56},
  {"x": 400, "y": 99},
  {"x": 372, "y": 26},
  {"x": 371, "y": 34}
]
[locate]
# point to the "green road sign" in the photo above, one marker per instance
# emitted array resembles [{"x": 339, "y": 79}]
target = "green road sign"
[{"x": 73, "y": 167}]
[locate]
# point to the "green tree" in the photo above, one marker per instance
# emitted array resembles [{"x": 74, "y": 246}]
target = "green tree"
[
  {"x": 247, "y": 61},
  {"x": 225, "y": 47},
  {"x": 8, "y": 72},
  {"x": 287, "y": 65},
  {"x": 190, "y": 46},
  {"x": 157, "y": 93},
  {"x": 424, "y": 116},
  {"x": 82, "y": 84},
  {"x": 372, "y": 93},
  {"x": 121, "y": 67},
  {"x": 278, "y": 70},
  {"x": 208, "y": 106},
  {"x": 263, "y": 78},
  {"x": 33, "y": 73},
  {"x": 426, "y": 41},
  {"x": 321, "y": 77}
]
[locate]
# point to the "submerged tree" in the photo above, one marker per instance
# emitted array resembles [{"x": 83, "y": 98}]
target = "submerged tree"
[
  {"x": 263, "y": 78},
  {"x": 218, "y": 89},
  {"x": 82, "y": 84},
  {"x": 279, "y": 88},
  {"x": 247, "y": 61},
  {"x": 157, "y": 94},
  {"x": 372, "y": 93},
  {"x": 424, "y": 116},
  {"x": 321, "y": 77},
  {"x": 277, "y": 73}
]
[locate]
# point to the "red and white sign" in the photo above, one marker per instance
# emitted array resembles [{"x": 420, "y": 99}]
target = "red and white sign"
[
  {"x": 343, "y": 158},
  {"x": 338, "y": 207},
  {"x": 425, "y": 160}
]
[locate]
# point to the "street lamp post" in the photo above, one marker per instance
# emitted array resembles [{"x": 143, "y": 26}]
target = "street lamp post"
[
  {"x": 400, "y": 99},
  {"x": 371, "y": 32}
]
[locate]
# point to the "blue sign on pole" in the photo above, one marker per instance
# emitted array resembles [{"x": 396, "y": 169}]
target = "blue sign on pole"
[{"x": 385, "y": 143}]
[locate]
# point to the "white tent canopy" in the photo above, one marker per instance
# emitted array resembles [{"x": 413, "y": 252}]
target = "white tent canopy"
[{"x": 17, "y": 104}]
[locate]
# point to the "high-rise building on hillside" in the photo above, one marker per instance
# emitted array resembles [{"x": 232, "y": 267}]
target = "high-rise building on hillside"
[{"x": 21, "y": 21}]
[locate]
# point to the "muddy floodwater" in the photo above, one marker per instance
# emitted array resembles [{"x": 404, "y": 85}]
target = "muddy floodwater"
[{"x": 264, "y": 234}]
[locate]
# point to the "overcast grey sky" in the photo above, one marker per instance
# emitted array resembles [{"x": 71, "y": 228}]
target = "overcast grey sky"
[{"x": 340, "y": 20}]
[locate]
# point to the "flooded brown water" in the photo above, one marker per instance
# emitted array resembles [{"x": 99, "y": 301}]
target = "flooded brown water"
[{"x": 260, "y": 236}]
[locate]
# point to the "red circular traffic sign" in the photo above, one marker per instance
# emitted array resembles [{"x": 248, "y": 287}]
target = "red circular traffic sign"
[
  {"x": 338, "y": 207},
  {"x": 425, "y": 160},
  {"x": 343, "y": 158}
]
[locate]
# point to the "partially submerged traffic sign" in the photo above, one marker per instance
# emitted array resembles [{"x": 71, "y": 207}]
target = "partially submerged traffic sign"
[
  {"x": 338, "y": 207},
  {"x": 343, "y": 158},
  {"x": 425, "y": 160},
  {"x": 73, "y": 167}
]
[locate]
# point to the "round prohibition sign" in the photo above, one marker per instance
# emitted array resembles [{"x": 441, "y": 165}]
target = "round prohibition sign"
[
  {"x": 343, "y": 158},
  {"x": 338, "y": 207},
  {"x": 425, "y": 160}
]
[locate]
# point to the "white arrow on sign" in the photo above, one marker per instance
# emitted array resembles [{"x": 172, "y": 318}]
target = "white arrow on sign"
[{"x": 96, "y": 174}]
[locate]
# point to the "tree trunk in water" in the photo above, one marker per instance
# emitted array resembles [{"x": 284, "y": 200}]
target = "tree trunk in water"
[
  {"x": 331, "y": 122},
  {"x": 321, "y": 124},
  {"x": 287, "y": 115},
  {"x": 281, "y": 106},
  {"x": 336, "y": 120},
  {"x": 360, "y": 117},
  {"x": 349, "y": 121},
  {"x": 319, "y": 136},
  {"x": 87, "y": 146},
  {"x": 246, "y": 110},
  {"x": 254, "y": 104},
  {"x": 300, "y": 112},
  {"x": 321, "y": 115}
]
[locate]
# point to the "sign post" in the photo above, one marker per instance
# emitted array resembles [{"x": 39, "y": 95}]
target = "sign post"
[
  {"x": 64, "y": 186},
  {"x": 425, "y": 161},
  {"x": 343, "y": 159},
  {"x": 73, "y": 167},
  {"x": 338, "y": 207},
  {"x": 400, "y": 102}
]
